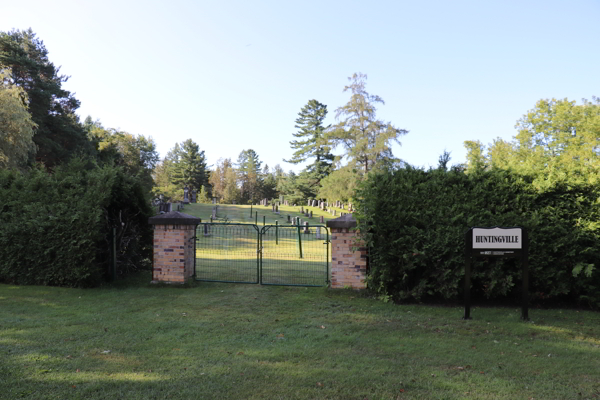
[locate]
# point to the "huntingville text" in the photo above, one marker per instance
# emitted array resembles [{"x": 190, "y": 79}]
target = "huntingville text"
[{"x": 496, "y": 239}]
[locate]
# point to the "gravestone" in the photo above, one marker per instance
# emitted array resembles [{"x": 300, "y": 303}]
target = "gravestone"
[
  {"x": 322, "y": 219},
  {"x": 302, "y": 209},
  {"x": 310, "y": 214},
  {"x": 318, "y": 232},
  {"x": 194, "y": 195},
  {"x": 206, "y": 230},
  {"x": 214, "y": 200},
  {"x": 309, "y": 202},
  {"x": 306, "y": 230},
  {"x": 214, "y": 213},
  {"x": 289, "y": 220},
  {"x": 334, "y": 211},
  {"x": 185, "y": 195}
]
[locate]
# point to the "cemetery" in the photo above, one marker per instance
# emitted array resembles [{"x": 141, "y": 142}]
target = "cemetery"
[{"x": 131, "y": 270}]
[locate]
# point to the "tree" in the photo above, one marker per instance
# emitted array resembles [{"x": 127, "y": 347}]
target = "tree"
[
  {"x": 313, "y": 144},
  {"x": 366, "y": 139},
  {"x": 341, "y": 184},
  {"x": 135, "y": 153},
  {"x": 218, "y": 179},
  {"x": 249, "y": 175},
  {"x": 190, "y": 170},
  {"x": 231, "y": 192},
  {"x": 59, "y": 135},
  {"x": 16, "y": 125},
  {"x": 558, "y": 141}
]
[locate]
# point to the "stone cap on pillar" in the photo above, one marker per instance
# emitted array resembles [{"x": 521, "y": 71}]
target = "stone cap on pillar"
[
  {"x": 343, "y": 222},
  {"x": 174, "y": 218}
]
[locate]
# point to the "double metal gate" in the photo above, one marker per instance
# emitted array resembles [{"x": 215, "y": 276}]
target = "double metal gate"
[{"x": 293, "y": 255}]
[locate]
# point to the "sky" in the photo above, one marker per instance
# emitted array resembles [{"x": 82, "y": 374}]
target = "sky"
[{"x": 233, "y": 75}]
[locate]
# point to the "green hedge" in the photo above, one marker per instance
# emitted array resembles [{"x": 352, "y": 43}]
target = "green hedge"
[
  {"x": 56, "y": 229},
  {"x": 414, "y": 223}
]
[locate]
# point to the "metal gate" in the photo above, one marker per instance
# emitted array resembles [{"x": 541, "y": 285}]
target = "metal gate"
[{"x": 289, "y": 255}]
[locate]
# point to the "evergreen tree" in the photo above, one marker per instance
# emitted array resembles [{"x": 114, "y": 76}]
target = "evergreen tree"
[
  {"x": 249, "y": 174},
  {"x": 59, "y": 135},
  {"x": 366, "y": 139},
  {"x": 190, "y": 170},
  {"x": 312, "y": 144}
]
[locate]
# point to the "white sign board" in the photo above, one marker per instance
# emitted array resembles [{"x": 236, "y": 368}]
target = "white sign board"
[{"x": 497, "y": 238}]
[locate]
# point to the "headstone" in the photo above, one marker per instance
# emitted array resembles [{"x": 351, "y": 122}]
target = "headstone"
[
  {"x": 214, "y": 200},
  {"x": 309, "y": 202},
  {"x": 185, "y": 195},
  {"x": 302, "y": 209},
  {"x": 194, "y": 195},
  {"x": 342, "y": 206},
  {"x": 206, "y": 230},
  {"x": 276, "y": 209},
  {"x": 314, "y": 203},
  {"x": 310, "y": 214},
  {"x": 322, "y": 219},
  {"x": 214, "y": 213},
  {"x": 334, "y": 213},
  {"x": 306, "y": 230},
  {"x": 289, "y": 220},
  {"x": 318, "y": 232}
]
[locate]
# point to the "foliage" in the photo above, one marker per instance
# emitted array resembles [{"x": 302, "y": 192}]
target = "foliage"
[
  {"x": 366, "y": 138},
  {"x": 249, "y": 175},
  {"x": 136, "y": 154},
  {"x": 59, "y": 135},
  {"x": 340, "y": 184},
  {"x": 55, "y": 229},
  {"x": 312, "y": 143},
  {"x": 190, "y": 170},
  {"x": 558, "y": 141},
  {"x": 184, "y": 165},
  {"x": 414, "y": 223},
  {"x": 16, "y": 125}
]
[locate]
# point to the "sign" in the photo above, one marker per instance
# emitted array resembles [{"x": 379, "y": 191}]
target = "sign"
[
  {"x": 496, "y": 242},
  {"x": 497, "y": 238}
]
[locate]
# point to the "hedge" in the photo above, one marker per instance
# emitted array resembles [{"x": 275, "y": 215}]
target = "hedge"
[
  {"x": 56, "y": 228},
  {"x": 414, "y": 221}
]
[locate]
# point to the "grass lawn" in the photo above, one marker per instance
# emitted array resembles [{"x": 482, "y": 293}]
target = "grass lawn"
[{"x": 133, "y": 340}]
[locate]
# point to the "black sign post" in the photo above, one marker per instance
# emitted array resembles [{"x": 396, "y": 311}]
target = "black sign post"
[{"x": 492, "y": 243}]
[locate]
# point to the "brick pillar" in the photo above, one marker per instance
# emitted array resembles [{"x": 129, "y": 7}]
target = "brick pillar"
[
  {"x": 348, "y": 266},
  {"x": 174, "y": 245}
]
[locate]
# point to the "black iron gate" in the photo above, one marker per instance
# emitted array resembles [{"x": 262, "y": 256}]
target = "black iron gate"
[{"x": 290, "y": 255}]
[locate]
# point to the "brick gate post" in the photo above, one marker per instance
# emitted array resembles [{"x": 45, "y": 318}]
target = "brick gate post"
[
  {"x": 348, "y": 256},
  {"x": 173, "y": 257}
]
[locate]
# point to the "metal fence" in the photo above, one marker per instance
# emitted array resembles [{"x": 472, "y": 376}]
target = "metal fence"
[{"x": 269, "y": 254}]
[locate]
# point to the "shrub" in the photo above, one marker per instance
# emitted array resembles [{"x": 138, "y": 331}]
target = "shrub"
[
  {"x": 414, "y": 223},
  {"x": 55, "y": 229}
]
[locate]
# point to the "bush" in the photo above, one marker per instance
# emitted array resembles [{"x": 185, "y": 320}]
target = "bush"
[
  {"x": 414, "y": 222},
  {"x": 56, "y": 229}
]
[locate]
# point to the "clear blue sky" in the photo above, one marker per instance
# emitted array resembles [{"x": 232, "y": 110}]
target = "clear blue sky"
[{"x": 233, "y": 75}]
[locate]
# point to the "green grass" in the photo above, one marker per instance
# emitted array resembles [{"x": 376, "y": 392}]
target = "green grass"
[
  {"x": 226, "y": 341},
  {"x": 241, "y": 213}
]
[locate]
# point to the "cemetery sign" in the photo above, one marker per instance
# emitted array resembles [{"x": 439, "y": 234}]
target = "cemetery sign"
[{"x": 492, "y": 243}]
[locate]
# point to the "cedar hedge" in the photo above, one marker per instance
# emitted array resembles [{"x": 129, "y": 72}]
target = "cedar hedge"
[
  {"x": 56, "y": 229},
  {"x": 414, "y": 221}
]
